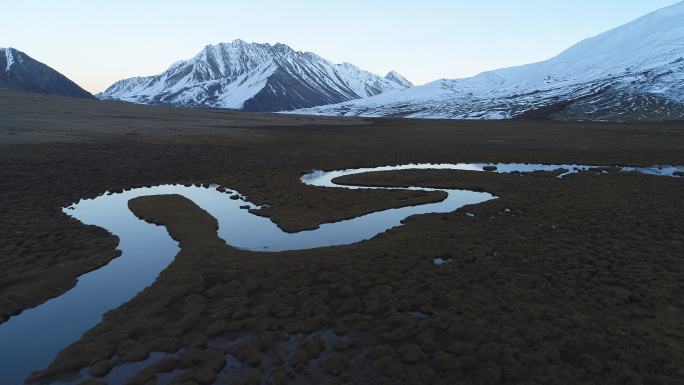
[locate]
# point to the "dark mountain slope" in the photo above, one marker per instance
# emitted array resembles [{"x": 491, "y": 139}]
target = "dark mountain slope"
[{"x": 20, "y": 72}]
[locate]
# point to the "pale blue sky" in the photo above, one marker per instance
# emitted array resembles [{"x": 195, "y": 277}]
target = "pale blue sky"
[{"x": 96, "y": 43}]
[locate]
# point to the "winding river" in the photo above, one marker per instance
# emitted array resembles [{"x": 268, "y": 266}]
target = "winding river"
[{"x": 31, "y": 340}]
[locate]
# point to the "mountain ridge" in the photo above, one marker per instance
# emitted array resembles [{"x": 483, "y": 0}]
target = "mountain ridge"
[{"x": 252, "y": 77}]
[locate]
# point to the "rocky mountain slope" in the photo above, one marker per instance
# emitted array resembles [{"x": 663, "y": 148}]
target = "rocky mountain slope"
[
  {"x": 20, "y": 72},
  {"x": 633, "y": 72},
  {"x": 254, "y": 77}
]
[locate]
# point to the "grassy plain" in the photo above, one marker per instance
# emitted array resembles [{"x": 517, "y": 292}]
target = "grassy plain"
[{"x": 597, "y": 298}]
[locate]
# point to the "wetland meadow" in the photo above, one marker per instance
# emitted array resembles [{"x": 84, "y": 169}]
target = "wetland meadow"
[{"x": 545, "y": 272}]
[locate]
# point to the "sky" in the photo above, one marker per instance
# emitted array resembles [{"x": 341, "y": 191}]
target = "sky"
[{"x": 96, "y": 43}]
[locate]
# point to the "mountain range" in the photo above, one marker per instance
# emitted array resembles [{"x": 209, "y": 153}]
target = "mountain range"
[
  {"x": 254, "y": 77},
  {"x": 22, "y": 73},
  {"x": 634, "y": 72},
  {"x": 630, "y": 73}
]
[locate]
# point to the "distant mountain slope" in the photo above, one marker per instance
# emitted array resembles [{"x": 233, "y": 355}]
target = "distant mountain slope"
[
  {"x": 20, "y": 72},
  {"x": 253, "y": 77},
  {"x": 633, "y": 72}
]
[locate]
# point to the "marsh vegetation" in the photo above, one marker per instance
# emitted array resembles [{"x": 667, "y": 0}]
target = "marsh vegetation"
[{"x": 579, "y": 281}]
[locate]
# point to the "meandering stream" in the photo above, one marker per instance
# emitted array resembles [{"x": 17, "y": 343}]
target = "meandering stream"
[{"x": 31, "y": 340}]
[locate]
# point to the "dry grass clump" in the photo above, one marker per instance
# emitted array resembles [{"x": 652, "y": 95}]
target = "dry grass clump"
[
  {"x": 335, "y": 364},
  {"x": 246, "y": 353},
  {"x": 307, "y": 350},
  {"x": 252, "y": 378},
  {"x": 389, "y": 367},
  {"x": 379, "y": 351},
  {"x": 141, "y": 377},
  {"x": 411, "y": 353},
  {"x": 489, "y": 375},
  {"x": 341, "y": 344},
  {"x": 212, "y": 363},
  {"x": 195, "y": 340},
  {"x": 165, "y": 344},
  {"x": 445, "y": 362},
  {"x": 279, "y": 376},
  {"x": 101, "y": 369}
]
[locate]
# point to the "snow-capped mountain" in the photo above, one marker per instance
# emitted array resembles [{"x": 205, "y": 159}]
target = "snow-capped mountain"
[
  {"x": 20, "y": 72},
  {"x": 395, "y": 77},
  {"x": 633, "y": 72},
  {"x": 254, "y": 77}
]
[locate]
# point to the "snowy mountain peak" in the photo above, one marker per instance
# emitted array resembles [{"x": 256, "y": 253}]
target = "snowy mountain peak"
[
  {"x": 254, "y": 77},
  {"x": 283, "y": 48},
  {"x": 395, "y": 77}
]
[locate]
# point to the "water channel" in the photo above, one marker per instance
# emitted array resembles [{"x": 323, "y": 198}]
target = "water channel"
[{"x": 31, "y": 340}]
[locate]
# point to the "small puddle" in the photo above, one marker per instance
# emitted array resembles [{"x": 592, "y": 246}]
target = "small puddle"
[
  {"x": 31, "y": 340},
  {"x": 419, "y": 314},
  {"x": 439, "y": 261}
]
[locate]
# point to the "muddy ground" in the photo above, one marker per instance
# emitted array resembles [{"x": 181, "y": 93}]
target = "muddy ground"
[{"x": 585, "y": 286}]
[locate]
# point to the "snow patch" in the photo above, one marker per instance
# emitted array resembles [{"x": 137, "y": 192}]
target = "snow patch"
[{"x": 9, "y": 57}]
